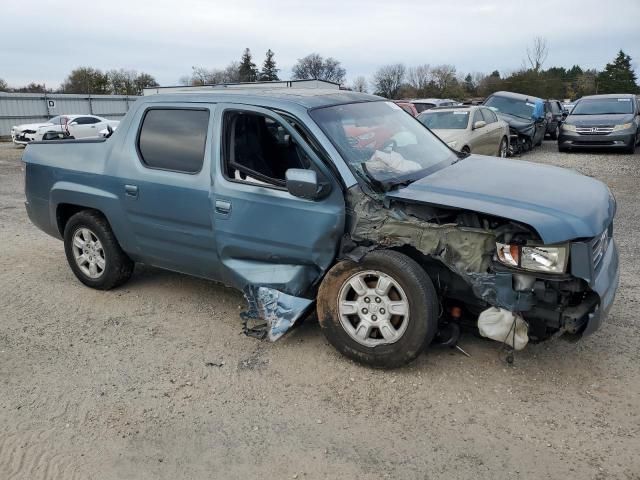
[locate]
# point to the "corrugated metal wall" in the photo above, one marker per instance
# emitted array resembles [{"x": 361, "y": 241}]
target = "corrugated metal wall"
[{"x": 18, "y": 108}]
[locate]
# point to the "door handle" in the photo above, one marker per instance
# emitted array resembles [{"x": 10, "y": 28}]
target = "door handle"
[
  {"x": 223, "y": 207},
  {"x": 131, "y": 191}
]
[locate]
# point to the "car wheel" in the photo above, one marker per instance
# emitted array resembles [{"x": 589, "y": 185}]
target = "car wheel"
[
  {"x": 631, "y": 149},
  {"x": 381, "y": 311},
  {"x": 93, "y": 252},
  {"x": 503, "y": 149},
  {"x": 556, "y": 133}
]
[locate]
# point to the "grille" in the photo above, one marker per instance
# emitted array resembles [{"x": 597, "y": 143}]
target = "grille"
[
  {"x": 598, "y": 248},
  {"x": 602, "y": 130}
]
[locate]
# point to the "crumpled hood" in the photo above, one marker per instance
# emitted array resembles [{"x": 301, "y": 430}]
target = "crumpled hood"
[
  {"x": 520, "y": 125},
  {"x": 30, "y": 126},
  {"x": 560, "y": 204},
  {"x": 594, "y": 120}
]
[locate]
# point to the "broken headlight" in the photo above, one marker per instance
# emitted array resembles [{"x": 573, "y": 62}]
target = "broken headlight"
[{"x": 535, "y": 258}]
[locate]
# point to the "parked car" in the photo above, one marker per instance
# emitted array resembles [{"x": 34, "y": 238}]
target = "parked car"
[
  {"x": 525, "y": 116},
  {"x": 596, "y": 121},
  {"x": 74, "y": 126},
  {"x": 555, "y": 114},
  {"x": 265, "y": 192},
  {"x": 568, "y": 106},
  {"x": 25, "y": 133},
  {"x": 408, "y": 107},
  {"x": 469, "y": 129},
  {"x": 423, "y": 104}
]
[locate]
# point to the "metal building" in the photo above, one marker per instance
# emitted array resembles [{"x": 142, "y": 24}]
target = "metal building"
[{"x": 19, "y": 108}]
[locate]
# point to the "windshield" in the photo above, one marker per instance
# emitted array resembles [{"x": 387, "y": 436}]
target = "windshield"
[
  {"x": 56, "y": 120},
  {"x": 380, "y": 142},
  {"x": 445, "y": 120},
  {"x": 603, "y": 106},
  {"x": 511, "y": 106}
]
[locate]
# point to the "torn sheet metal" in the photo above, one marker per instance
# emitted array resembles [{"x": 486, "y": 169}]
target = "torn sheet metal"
[
  {"x": 504, "y": 326},
  {"x": 462, "y": 249},
  {"x": 271, "y": 313},
  {"x": 466, "y": 251}
]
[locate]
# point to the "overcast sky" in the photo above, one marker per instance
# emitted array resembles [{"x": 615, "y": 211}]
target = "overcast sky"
[{"x": 43, "y": 40}]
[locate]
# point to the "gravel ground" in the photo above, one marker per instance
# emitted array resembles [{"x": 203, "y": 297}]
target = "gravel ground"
[{"x": 154, "y": 380}]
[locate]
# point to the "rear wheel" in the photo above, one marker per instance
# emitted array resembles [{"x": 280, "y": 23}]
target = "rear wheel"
[
  {"x": 556, "y": 133},
  {"x": 93, "y": 253},
  {"x": 382, "y": 311}
]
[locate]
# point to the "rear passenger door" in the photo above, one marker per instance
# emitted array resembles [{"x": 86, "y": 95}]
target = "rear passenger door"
[{"x": 164, "y": 185}]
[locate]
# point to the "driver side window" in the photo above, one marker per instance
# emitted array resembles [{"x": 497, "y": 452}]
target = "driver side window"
[{"x": 259, "y": 150}]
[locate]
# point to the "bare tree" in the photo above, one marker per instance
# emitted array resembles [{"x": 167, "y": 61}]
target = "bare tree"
[
  {"x": 359, "y": 85},
  {"x": 313, "y": 66},
  {"x": 419, "y": 77},
  {"x": 388, "y": 80},
  {"x": 537, "y": 53},
  {"x": 3, "y": 86}
]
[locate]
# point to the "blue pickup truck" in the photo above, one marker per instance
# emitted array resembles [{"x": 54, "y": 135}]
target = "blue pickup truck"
[{"x": 332, "y": 200}]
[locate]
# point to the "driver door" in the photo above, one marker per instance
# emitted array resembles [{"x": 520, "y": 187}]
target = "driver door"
[{"x": 264, "y": 234}]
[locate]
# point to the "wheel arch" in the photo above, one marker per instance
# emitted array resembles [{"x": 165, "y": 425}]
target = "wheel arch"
[{"x": 67, "y": 199}]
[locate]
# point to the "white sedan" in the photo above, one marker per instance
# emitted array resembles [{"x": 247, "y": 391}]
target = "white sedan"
[
  {"x": 23, "y": 134},
  {"x": 75, "y": 126}
]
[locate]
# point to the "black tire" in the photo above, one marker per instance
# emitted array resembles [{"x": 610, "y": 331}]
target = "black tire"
[
  {"x": 504, "y": 145},
  {"x": 118, "y": 267},
  {"x": 422, "y": 321},
  {"x": 556, "y": 132},
  {"x": 631, "y": 149}
]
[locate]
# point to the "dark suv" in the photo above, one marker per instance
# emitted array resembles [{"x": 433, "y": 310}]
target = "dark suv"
[{"x": 609, "y": 121}]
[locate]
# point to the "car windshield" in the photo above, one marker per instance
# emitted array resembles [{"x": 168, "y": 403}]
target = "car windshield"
[
  {"x": 383, "y": 144},
  {"x": 511, "y": 106},
  {"x": 456, "y": 120},
  {"x": 603, "y": 106},
  {"x": 56, "y": 120}
]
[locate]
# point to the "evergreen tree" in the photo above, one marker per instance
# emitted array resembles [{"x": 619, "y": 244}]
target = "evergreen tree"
[
  {"x": 269, "y": 71},
  {"x": 469, "y": 85},
  {"x": 618, "y": 77},
  {"x": 248, "y": 71}
]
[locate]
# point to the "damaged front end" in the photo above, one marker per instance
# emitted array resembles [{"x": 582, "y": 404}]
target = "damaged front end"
[{"x": 457, "y": 248}]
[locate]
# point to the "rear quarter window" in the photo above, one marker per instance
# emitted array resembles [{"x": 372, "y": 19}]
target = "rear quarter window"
[{"x": 173, "y": 139}]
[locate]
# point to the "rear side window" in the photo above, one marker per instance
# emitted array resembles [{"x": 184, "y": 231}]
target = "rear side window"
[{"x": 174, "y": 139}]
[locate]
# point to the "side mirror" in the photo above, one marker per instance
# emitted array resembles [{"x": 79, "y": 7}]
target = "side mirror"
[
  {"x": 303, "y": 183},
  {"x": 565, "y": 113},
  {"x": 479, "y": 124}
]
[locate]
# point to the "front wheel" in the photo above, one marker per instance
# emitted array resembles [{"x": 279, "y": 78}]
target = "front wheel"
[
  {"x": 93, "y": 253},
  {"x": 503, "y": 149},
  {"x": 382, "y": 311}
]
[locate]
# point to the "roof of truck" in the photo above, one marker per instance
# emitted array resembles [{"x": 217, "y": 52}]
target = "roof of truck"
[{"x": 305, "y": 97}]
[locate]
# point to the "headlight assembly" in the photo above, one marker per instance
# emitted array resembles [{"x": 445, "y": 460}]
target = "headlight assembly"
[
  {"x": 624, "y": 126},
  {"x": 568, "y": 127},
  {"x": 536, "y": 258}
]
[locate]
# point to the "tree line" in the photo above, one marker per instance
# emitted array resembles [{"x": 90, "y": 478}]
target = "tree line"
[
  {"x": 89, "y": 80},
  {"x": 393, "y": 81}
]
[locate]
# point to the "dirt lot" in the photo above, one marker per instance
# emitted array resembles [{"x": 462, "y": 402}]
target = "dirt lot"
[{"x": 155, "y": 380}]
